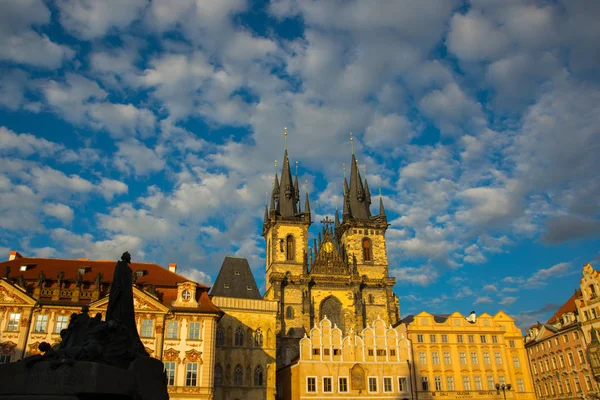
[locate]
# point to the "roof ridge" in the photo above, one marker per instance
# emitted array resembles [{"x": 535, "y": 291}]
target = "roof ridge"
[{"x": 86, "y": 260}]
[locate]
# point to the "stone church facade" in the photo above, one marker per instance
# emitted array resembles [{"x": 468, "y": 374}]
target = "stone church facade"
[{"x": 342, "y": 275}]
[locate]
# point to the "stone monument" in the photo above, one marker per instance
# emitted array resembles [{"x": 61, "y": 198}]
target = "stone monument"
[{"x": 95, "y": 360}]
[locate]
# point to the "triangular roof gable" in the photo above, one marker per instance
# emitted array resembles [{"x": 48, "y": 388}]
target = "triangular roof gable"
[
  {"x": 501, "y": 315},
  {"x": 328, "y": 259},
  {"x": 235, "y": 279},
  {"x": 10, "y": 293},
  {"x": 543, "y": 333},
  {"x": 141, "y": 302}
]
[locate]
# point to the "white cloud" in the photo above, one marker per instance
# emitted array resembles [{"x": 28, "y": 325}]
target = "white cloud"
[
  {"x": 388, "y": 130},
  {"x": 483, "y": 300},
  {"x": 423, "y": 276},
  {"x": 110, "y": 187},
  {"x": 472, "y": 37},
  {"x": 473, "y": 255},
  {"x": 87, "y": 246},
  {"x": 508, "y": 300},
  {"x": 59, "y": 211},
  {"x": 490, "y": 288},
  {"x": 195, "y": 275},
  {"x": 134, "y": 154},
  {"x": 26, "y": 144}
]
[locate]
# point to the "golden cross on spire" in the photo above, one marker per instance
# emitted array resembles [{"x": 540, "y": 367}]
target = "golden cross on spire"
[
  {"x": 285, "y": 137},
  {"x": 306, "y": 185},
  {"x": 275, "y": 165}
]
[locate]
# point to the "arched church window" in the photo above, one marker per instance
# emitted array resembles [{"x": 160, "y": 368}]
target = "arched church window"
[
  {"x": 366, "y": 245},
  {"x": 258, "y": 376},
  {"x": 289, "y": 245},
  {"x": 218, "y": 375},
  {"x": 371, "y": 299},
  {"x": 220, "y": 336},
  {"x": 289, "y": 312},
  {"x": 239, "y": 337},
  {"x": 238, "y": 375},
  {"x": 331, "y": 308}
]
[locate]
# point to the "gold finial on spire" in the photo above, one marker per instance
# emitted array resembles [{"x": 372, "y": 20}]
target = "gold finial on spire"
[
  {"x": 306, "y": 185},
  {"x": 285, "y": 137},
  {"x": 267, "y": 197},
  {"x": 296, "y": 168},
  {"x": 352, "y": 142},
  {"x": 344, "y": 168}
]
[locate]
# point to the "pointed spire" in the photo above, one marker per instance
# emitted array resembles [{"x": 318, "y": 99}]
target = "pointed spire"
[
  {"x": 381, "y": 209},
  {"x": 296, "y": 186},
  {"x": 337, "y": 218},
  {"x": 307, "y": 206},
  {"x": 359, "y": 207},
  {"x": 367, "y": 191},
  {"x": 287, "y": 197},
  {"x": 266, "y": 219}
]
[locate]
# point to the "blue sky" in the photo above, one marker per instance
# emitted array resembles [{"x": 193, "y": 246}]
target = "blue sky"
[{"x": 154, "y": 126}]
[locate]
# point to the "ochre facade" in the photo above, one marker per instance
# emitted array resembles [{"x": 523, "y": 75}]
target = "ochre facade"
[
  {"x": 175, "y": 317},
  {"x": 458, "y": 359}
]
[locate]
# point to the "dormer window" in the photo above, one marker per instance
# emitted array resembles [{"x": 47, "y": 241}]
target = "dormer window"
[
  {"x": 186, "y": 295},
  {"x": 82, "y": 271},
  {"x": 248, "y": 287},
  {"x": 23, "y": 268},
  {"x": 139, "y": 273},
  {"x": 237, "y": 273},
  {"x": 226, "y": 285}
]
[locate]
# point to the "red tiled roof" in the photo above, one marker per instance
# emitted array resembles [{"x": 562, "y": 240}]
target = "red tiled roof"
[
  {"x": 165, "y": 281},
  {"x": 568, "y": 306}
]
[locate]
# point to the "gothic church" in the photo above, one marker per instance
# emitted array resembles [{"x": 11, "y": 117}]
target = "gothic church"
[{"x": 343, "y": 276}]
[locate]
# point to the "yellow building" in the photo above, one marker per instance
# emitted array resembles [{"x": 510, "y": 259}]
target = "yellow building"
[
  {"x": 245, "y": 338},
  {"x": 344, "y": 275},
  {"x": 460, "y": 358},
  {"x": 176, "y": 318},
  {"x": 370, "y": 364}
]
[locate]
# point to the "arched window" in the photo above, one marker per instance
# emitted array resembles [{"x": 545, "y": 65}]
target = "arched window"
[
  {"x": 228, "y": 336},
  {"x": 239, "y": 337},
  {"x": 220, "y": 336},
  {"x": 371, "y": 299},
  {"x": 331, "y": 308},
  {"x": 289, "y": 245},
  {"x": 218, "y": 375},
  {"x": 258, "y": 338},
  {"x": 289, "y": 312},
  {"x": 258, "y": 376},
  {"x": 366, "y": 246},
  {"x": 238, "y": 375},
  {"x": 592, "y": 291}
]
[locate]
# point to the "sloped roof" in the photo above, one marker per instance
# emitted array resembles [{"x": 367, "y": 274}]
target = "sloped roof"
[
  {"x": 568, "y": 306},
  {"x": 439, "y": 318},
  {"x": 235, "y": 279}
]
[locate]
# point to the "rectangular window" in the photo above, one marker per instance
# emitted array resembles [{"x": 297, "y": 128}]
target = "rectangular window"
[
  {"x": 494, "y": 339},
  {"x": 419, "y": 338},
  {"x": 317, "y": 352},
  {"x": 588, "y": 383},
  {"x": 534, "y": 366},
  {"x": 556, "y": 341},
  {"x": 449, "y": 383},
  {"x": 62, "y": 321},
  {"x": 478, "y": 385},
  {"x": 194, "y": 331},
  {"x": 438, "y": 383},
  {"x": 581, "y": 357},
  {"x": 170, "y": 372},
  {"x": 576, "y": 335},
  {"x": 474, "y": 359},
  {"x": 511, "y": 343},
  {"x": 571, "y": 359},
  {"x": 463, "y": 358},
  {"x": 501, "y": 380},
  {"x": 577, "y": 385},
  {"x": 146, "y": 328},
  {"x": 424, "y": 383},
  {"x": 459, "y": 338},
  {"x": 547, "y": 364},
  {"x": 311, "y": 384},
  {"x": 471, "y": 338},
  {"x": 41, "y": 323},
  {"x": 553, "y": 363},
  {"x": 402, "y": 384},
  {"x": 498, "y": 357},
  {"x": 466, "y": 383},
  {"x": 191, "y": 374},
  {"x": 422, "y": 357},
  {"x": 372, "y": 384},
  {"x": 520, "y": 385},
  {"x": 370, "y": 352},
  {"x": 447, "y": 359},
  {"x": 4, "y": 358},
  {"x": 560, "y": 388},
  {"x": 516, "y": 362},
  {"x": 327, "y": 385},
  {"x": 343, "y": 384},
  {"x": 173, "y": 330},
  {"x": 444, "y": 338},
  {"x": 381, "y": 353},
  {"x": 561, "y": 360},
  {"x": 387, "y": 384},
  {"x": 568, "y": 386},
  {"x": 566, "y": 338},
  {"x": 483, "y": 338},
  {"x": 393, "y": 353},
  {"x": 435, "y": 358},
  {"x": 432, "y": 339},
  {"x": 326, "y": 352},
  {"x": 486, "y": 358},
  {"x": 490, "y": 382}
]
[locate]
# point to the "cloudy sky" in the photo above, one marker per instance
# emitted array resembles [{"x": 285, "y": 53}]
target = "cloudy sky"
[{"x": 154, "y": 126}]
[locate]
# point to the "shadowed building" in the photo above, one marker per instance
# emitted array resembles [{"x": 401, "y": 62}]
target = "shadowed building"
[
  {"x": 245, "y": 338},
  {"x": 175, "y": 317}
]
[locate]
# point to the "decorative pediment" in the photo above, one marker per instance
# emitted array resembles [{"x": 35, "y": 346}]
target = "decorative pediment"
[
  {"x": 8, "y": 348},
  {"x": 193, "y": 356},
  {"x": 141, "y": 302},
  {"x": 171, "y": 355},
  {"x": 33, "y": 349},
  {"x": 12, "y": 295},
  {"x": 328, "y": 259}
]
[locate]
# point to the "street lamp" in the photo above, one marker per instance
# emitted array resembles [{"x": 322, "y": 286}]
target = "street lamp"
[{"x": 503, "y": 387}]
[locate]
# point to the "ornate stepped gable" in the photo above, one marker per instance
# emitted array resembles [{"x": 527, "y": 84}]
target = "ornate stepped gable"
[{"x": 329, "y": 258}]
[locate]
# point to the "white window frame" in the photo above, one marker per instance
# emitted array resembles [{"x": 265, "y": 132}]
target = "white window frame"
[
  {"x": 60, "y": 325},
  {"x": 450, "y": 382},
  {"x": 174, "y": 372},
  {"x": 340, "y": 386},
  {"x": 376, "y": 384},
  {"x": 316, "y": 384},
  {"x": 403, "y": 388},
  {"x": 478, "y": 382},
  {"x": 42, "y": 321},
  {"x": 169, "y": 324},
  {"x": 330, "y": 384},
  {"x": 423, "y": 358},
  {"x": 521, "y": 385},
  {"x": 190, "y": 331},
  {"x": 391, "y": 383},
  {"x": 516, "y": 362},
  {"x": 435, "y": 358},
  {"x": 438, "y": 379},
  {"x": 487, "y": 360},
  {"x": 447, "y": 358},
  {"x": 144, "y": 328},
  {"x": 466, "y": 381},
  {"x": 192, "y": 371}
]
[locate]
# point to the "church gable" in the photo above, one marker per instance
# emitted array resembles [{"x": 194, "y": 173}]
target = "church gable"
[
  {"x": 11, "y": 295},
  {"x": 328, "y": 259}
]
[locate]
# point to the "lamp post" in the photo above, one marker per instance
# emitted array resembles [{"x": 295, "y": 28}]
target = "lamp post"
[{"x": 503, "y": 387}]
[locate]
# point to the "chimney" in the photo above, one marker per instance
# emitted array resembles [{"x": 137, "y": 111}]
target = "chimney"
[
  {"x": 14, "y": 255},
  {"x": 173, "y": 267}
]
